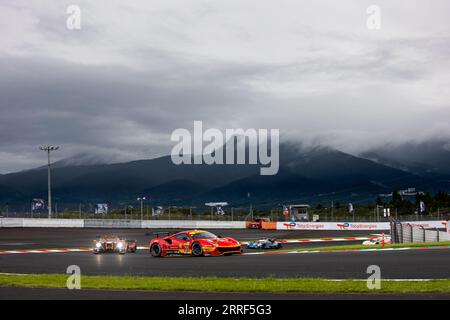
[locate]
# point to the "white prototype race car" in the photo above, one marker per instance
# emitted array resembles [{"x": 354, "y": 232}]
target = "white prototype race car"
[{"x": 378, "y": 240}]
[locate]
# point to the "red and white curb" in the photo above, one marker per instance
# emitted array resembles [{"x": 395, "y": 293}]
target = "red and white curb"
[{"x": 45, "y": 251}]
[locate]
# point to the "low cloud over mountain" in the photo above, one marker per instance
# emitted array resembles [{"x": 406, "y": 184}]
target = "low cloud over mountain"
[{"x": 307, "y": 174}]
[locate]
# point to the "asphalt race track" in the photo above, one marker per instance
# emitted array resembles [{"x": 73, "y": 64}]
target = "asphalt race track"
[
  {"x": 407, "y": 264},
  {"x": 414, "y": 264},
  {"x": 35, "y": 238},
  {"x": 64, "y": 294}
]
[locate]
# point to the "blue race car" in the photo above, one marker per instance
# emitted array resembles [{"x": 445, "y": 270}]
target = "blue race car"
[{"x": 264, "y": 244}]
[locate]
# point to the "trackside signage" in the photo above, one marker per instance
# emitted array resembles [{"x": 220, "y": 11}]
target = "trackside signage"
[{"x": 290, "y": 225}]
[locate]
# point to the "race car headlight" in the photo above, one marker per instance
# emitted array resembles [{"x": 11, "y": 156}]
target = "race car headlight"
[
  {"x": 98, "y": 245},
  {"x": 120, "y": 245}
]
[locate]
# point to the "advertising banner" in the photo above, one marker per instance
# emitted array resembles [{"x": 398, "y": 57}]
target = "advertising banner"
[{"x": 292, "y": 225}]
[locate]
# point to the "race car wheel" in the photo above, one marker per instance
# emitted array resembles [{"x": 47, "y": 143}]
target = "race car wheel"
[
  {"x": 197, "y": 250},
  {"x": 156, "y": 250}
]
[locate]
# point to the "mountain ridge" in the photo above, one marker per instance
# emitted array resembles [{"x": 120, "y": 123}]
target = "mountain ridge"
[{"x": 304, "y": 173}]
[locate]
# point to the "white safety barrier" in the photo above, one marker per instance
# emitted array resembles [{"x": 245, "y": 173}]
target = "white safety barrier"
[
  {"x": 11, "y": 222},
  {"x": 192, "y": 224},
  {"x": 40, "y": 223},
  {"x": 203, "y": 224},
  {"x": 353, "y": 225},
  {"x": 53, "y": 223},
  {"x": 110, "y": 223}
]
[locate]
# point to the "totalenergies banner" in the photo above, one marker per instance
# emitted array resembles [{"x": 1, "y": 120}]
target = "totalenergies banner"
[{"x": 291, "y": 225}]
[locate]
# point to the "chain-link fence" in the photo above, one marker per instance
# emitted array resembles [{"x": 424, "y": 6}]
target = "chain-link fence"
[
  {"x": 410, "y": 233},
  {"x": 229, "y": 214}
]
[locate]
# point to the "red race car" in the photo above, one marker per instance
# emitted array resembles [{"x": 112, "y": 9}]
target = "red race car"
[
  {"x": 257, "y": 223},
  {"x": 194, "y": 242}
]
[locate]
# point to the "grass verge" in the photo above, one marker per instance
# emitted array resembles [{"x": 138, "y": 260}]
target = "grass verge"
[{"x": 214, "y": 284}]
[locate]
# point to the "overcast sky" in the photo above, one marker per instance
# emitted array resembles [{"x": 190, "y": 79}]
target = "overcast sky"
[{"x": 137, "y": 70}]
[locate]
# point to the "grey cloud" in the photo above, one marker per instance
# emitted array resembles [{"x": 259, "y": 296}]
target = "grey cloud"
[
  {"x": 136, "y": 72},
  {"x": 46, "y": 100}
]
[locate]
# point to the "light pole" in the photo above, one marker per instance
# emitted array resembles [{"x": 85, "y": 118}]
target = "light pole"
[
  {"x": 378, "y": 212},
  {"x": 49, "y": 149},
  {"x": 332, "y": 209},
  {"x": 142, "y": 199},
  {"x": 251, "y": 205}
]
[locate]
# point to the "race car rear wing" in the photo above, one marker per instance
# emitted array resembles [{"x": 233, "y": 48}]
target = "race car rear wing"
[{"x": 166, "y": 234}]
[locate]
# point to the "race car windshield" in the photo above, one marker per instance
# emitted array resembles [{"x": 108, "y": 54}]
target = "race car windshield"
[{"x": 204, "y": 235}]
